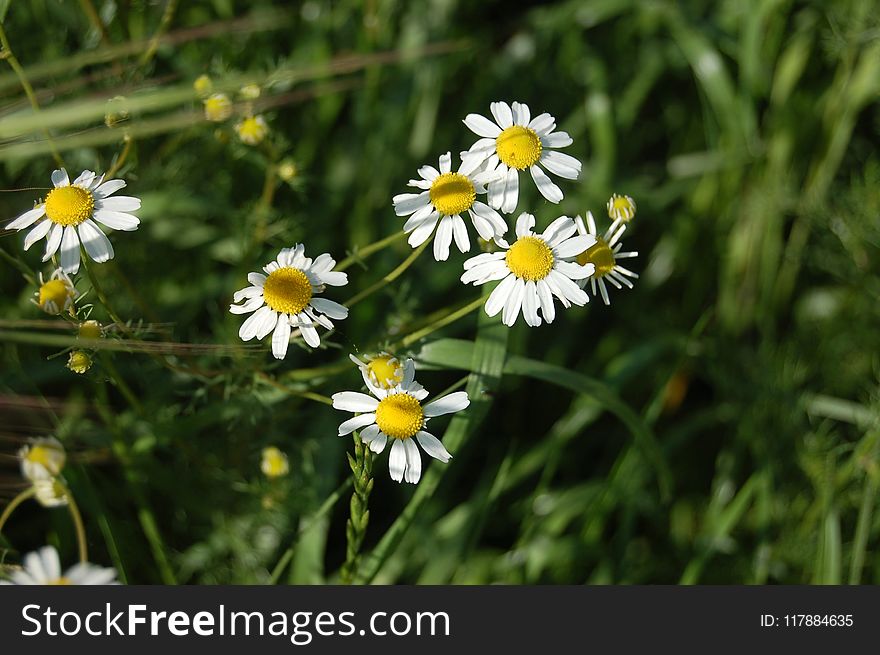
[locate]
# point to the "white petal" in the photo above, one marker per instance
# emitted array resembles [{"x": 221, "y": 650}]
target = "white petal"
[
  {"x": 575, "y": 271},
  {"x": 501, "y": 112},
  {"x": 413, "y": 461},
  {"x": 109, "y": 187},
  {"x": 120, "y": 203},
  {"x": 572, "y": 292},
  {"x": 432, "y": 446},
  {"x": 545, "y": 298},
  {"x": 369, "y": 433},
  {"x": 60, "y": 178},
  {"x": 429, "y": 173},
  {"x": 511, "y": 191},
  {"x": 459, "y": 231},
  {"x": 356, "y": 423},
  {"x": 308, "y": 332},
  {"x": 524, "y": 224},
  {"x": 377, "y": 445},
  {"x": 521, "y": 113},
  {"x": 334, "y": 278},
  {"x": 53, "y": 241},
  {"x": 454, "y": 402},
  {"x": 84, "y": 179},
  {"x": 333, "y": 309},
  {"x": 257, "y": 279},
  {"x": 497, "y": 187},
  {"x": 281, "y": 337},
  {"x": 561, "y": 164},
  {"x": 70, "y": 250},
  {"x": 97, "y": 245},
  {"x": 248, "y": 329},
  {"x": 556, "y": 140},
  {"x": 27, "y": 219},
  {"x": 397, "y": 461},
  {"x": 423, "y": 232},
  {"x": 498, "y": 298},
  {"x": 549, "y": 190},
  {"x": 442, "y": 239},
  {"x": 354, "y": 401},
  {"x": 117, "y": 220},
  {"x": 251, "y": 305},
  {"x": 41, "y": 230},
  {"x": 446, "y": 162},
  {"x": 543, "y": 123},
  {"x": 513, "y": 304},
  {"x": 247, "y": 292},
  {"x": 530, "y": 305},
  {"x": 323, "y": 263},
  {"x": 574, "y": 246},
  {"x": 407, "y": 203},
  {"x": 482, "y": 126}
]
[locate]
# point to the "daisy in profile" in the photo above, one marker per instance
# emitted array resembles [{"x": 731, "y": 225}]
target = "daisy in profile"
[
  {"x": 51, "y": 493},
  {"x": 42, "y": 458},
  {"x": 603, "y": 256},
  {"x": 532, "y": 271},
  {"x": 56, "y": 294},
  {"x": 285, "y": 299},
  {"x": 515, "y": 142},
  {"x": 43, "y": 567},
  {"x": 382, "y": 370},
  {"x": 67, "y": 218},
  {"x": 444, "y": 198},
  {"x": 398, "y": 414},
  {"x": 621, "y": 209}
]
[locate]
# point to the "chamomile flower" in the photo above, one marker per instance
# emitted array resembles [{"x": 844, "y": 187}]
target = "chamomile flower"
[
  {"x": 42, "y": 458},
  {"x": 56, "y": 294},
  {"x": 398, "y": 414},
  {"x": 252, "y": 130},
  {"x": 382, "y": 370},
  {"x": 285, "y": 298},
  {"x": 621, "y": 209},
  {"x": 603, "y": 255},
  {"x": 43, "y": 567},
  {"x": 79, "y": 361},
  {"x": 532, "y": 271},
  {"x": 218, "y": 107},
  {"x": 516, "y": 142},
  {"x": 90, "y": 329},
  {"x": 444, "y": 198},
  {"x": 274, "y": 463},
  {"x": 203, "y": 85},
  {"x": 67, "y": 218},
  {"x": 51, "y": 493}
]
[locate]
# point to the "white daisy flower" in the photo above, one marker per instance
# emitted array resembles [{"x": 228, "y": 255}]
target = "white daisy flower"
[
  {"x": 56, "y": 294},
  {"x": 516, "y": 142},
  {"x": 51, "y": 493},
  {"x": 42, "y": 458},
  {"x": 444, "y": 198},
  {"x": 397, "y": 414},
  {"x": 67, "y": 218},
  {"x": 532, "y": 271},
  {"x": 621, "y": 209},
  {"x": 43, "y": 567},
  {"x": 383, "y": 370},
  {"x": 285, "y": 299},
  {"x": 603, "y": 255}
]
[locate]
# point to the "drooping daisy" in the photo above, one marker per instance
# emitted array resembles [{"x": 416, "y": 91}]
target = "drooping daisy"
[
  {"x": 68, "y": 218},
  {"x": 252, "y": 130},
  {"x": 274, "y": 463},
  {"x": 621, "y": 209},
  {"x": 51, "y": 493},
  {"x": 42, "y": 458},
  {"x": 43, "y": 567},
  {"x": 56, "y": 294},
  {"x": 382, "y": 370},
  {"x": 603, "y": 255},
  {"x": 444, "y": 198},
  {"x": 516, "y": 142},
  {"x": 532, "y": 271},
  {"x": 398, "y": 414},
  {"x": 284, "y": 298}
]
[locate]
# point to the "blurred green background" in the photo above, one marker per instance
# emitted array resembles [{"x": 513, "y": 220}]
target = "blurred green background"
[{"x": 717, "y": 424}]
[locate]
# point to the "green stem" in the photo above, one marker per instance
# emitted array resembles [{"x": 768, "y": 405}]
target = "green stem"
[
  {"x": 366, "y": 251},
  {"x": 28, "y": 89},
  {"x": 356, "y": 526},
  {"x": 443, "y": 322},
  {"x": 863, "y": 528},
  {"x": 99, "y": 291},
  {"x": 164, "y": 23},
  {"x": 120, "y": 160},
  {"x": 388, "y": 279},
  {"x": 77, "y": 524},
  {"x": 30, "y": 492}
]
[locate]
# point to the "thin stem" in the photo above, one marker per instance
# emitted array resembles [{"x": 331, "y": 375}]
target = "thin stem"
[
  {"x": 77, "y": 523},
  {"x": 366, "y": 251},
  {"x": 863, "y": 528},
  {"x": 30, "y": 492},
  {"x": 443, "y": 322},
  {"x": 164, "y": 23},
  {"x": 310, "y": 395},
  {"x": 28, "y": 89},
  {"x": 388, "y": 279},
  {"x": 95, "y": 19},
  {"x": 99, "y": 291},
  {"x": 120, "y": 160},
  {"x": 356, "y": 525}
]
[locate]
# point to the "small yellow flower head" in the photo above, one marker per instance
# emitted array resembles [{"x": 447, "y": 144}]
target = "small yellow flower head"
[
  {"x": 79, "y": 361},
  {"x": 56, "y": 294},
  {"x": 274, "y": 464},
  {"x": 621, "y": 208},
  {"x": 42, "y": 459},
  {"x": 218, "y": 107},
  {"x": 383, "y": 370},
  {"x": 203, "y": 86},
  {"x": 51, "y": 493},
  {"x": 89, "y": 330},
  {"x": 287, "y": 170},
  {"x": 252, "y": 130},
  {"x": 250, "y": 91}
]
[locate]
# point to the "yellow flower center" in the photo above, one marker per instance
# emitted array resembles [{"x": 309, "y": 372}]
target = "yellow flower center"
[
  {"x": 62, "y": 581},
  {"x": 287, "y": 290},
  {"x": 530, "y": 258},
  {"x": 452, "y": 193},
  {"x": 55, "y": 291},
  {"x": 69, "y": 205},
  {"x": 89, "y": 330},
  {"x": 599, "y": 255},
  {"x": 45, "y": 456},
  {"x": 274, "y": 463},
  {"x": 218, "y": 107},
  {"x": 385, "y": 370},
  {"x": 400, "y": 416},
  {"x": 518, "y": 147},
  {"x": 252, "y": 130}
]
